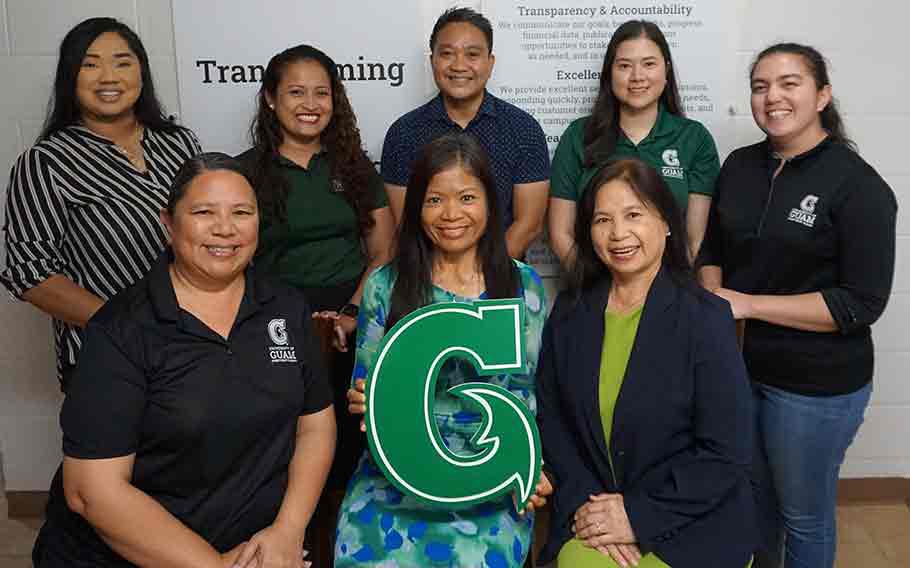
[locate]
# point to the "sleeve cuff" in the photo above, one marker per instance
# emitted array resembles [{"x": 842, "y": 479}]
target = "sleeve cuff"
[
  {"x": 643, "y": 520},
  {"x": 545, "y": 176},
  {"x": 21, "y": 278},
  {"x": 843, "y": 313},
  {"x": 319, "y": 407}
]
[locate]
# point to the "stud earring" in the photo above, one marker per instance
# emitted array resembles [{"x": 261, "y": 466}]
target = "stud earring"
[{"x": 668, "y": 233}]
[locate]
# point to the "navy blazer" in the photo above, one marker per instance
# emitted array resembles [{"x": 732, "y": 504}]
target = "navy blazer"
[{"x": 681, "y": 441}]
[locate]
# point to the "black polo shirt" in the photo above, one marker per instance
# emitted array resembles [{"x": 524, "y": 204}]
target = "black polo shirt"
[
  {"x": 825, "y": 224},
  {"x": 212, "y": 421},
  {"x": 320, "y": 245}
]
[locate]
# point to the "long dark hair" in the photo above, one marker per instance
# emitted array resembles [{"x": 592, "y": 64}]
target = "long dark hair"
[
  {"x": 815, "y": 61},
  {"x": 349, "y": 164},
  {"x": 414, "y": 262},
  {"x": 63, "y": 107},
  {"x": 602, "y": 129},
  {"x": 653, "y": 192}
]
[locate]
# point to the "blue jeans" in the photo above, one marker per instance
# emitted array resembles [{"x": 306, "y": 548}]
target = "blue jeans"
[{"x": 800, "y": 446}]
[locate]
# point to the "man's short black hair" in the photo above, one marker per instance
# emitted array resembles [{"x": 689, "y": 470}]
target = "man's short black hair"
[{"x": 468, "y": 16}]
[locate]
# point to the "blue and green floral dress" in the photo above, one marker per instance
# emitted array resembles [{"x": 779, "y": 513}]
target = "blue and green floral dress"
[{"x": 378, "y": 525}]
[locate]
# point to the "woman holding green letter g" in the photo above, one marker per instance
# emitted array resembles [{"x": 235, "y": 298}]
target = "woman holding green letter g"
[
  {"x": 644, "y": 403},
  {"x": 451, "y": 249}
]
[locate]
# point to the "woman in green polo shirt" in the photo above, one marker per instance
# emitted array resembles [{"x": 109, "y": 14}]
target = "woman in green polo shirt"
[
  {"x": 325, "y": 219},
  {"x": 637, "y": 115}
]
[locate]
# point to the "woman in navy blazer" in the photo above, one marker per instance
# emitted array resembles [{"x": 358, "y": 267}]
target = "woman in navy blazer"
[{"x": 671, "y": 485}]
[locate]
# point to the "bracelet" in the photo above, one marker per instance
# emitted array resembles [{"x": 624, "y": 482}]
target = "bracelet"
[{"x": 350, "y": 310}]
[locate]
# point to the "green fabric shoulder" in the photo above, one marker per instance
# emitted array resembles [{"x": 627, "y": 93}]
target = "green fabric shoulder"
[{"x": 567, "y": 169}]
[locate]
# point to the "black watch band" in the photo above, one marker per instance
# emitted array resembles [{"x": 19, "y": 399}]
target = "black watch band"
[{"x": 349, "y": 310}]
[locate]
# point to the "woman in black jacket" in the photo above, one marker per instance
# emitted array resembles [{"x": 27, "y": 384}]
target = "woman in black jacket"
[
  {"x": 644, "y": 405},
  {"x": 801, "y": 243}
]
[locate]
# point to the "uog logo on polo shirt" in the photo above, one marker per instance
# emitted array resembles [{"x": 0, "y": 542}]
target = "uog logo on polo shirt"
[
  {"x": 402, "y": 432},
  {"x": 672, "y": 168},
  {"x": 805, "y": 215},
  {"x": 280, "y": 352}
]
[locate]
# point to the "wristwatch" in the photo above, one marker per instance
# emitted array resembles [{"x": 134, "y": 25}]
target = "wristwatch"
[{"x": 350, "y": 310}]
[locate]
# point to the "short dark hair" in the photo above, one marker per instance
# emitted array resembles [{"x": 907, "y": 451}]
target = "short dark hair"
[
  {"x": 602, "y": 129},
  {"x": 63, "y": 107},
  {"x": 467, "y": 16},
  {"x": 414, "y": 262},
  {"x": 653, "y": 191},
  {"x": 815, "y": 61},
  {"x": 196, "y": 166}
]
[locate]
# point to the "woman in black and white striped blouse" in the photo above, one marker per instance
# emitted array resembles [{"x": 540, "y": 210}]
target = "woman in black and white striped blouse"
[{"x": 83, "y": 204}]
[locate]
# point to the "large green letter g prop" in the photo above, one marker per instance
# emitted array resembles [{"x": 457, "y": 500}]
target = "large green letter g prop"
[{"x": 401, "y": 427}]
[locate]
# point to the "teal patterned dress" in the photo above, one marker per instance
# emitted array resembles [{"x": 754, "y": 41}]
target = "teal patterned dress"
[{"x": 378, "y": 525}]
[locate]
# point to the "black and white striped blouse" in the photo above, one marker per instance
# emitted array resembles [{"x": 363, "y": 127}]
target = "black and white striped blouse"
[{"x": 76, "y": 206}]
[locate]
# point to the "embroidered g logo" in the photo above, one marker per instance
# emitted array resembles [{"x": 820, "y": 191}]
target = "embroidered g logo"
[
  {"x": 671, "y": 157},
  {"x": 278, "y": 331},
  {"x": 401, "y": 426},
  {"x": 808, "y": 203}
]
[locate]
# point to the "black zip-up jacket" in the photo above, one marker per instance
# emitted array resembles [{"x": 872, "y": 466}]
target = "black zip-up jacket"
[{"x": 825, "y": 223}]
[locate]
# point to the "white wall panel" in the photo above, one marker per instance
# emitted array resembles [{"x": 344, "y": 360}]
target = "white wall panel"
[
  {"x": 882, "y": 435},
  {"x": 902, "y": 265},
  {"x": 9, "y": 149},
  {"x": 26, "y": 91},
  {"x": 32, "y": 451},
  {"x": 156, "y": 26},
  {"x": 37, "y": 26},
  {"x": 881, "y": 140},
  {"x": 890, "y": 332},
  {"x": 27, "y": 361},
  {"x": 164, "y": 73},
  {"x": 831, "y": 25},
  {"x": 4, "y": 36},
  {"x": 890, "y": 386}
]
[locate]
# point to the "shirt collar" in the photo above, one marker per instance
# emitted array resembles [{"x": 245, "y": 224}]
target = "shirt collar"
[
  {"x": 86, "y": 134},
  {"x": 282, "y": 161},
  {"x": 662, "y": 293},
  {"x": 258, "y": 290},
  {"x": 89, "y": 136},
  {"x": 665, "y": 124},
  {"x": 774, "y": 157},
  {"x": 437, "y": 108}
]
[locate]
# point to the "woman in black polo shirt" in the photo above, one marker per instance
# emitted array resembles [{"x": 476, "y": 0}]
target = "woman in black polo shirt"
[
  {"x": 198, "y": 428},
  {"x": 801, "y": 243},
  {"x": 326, "y": 222}
]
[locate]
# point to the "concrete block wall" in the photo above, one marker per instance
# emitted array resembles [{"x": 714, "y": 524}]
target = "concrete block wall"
[
  {"x": 869, "y": 78},
  {"x": 862, "y": 42}
]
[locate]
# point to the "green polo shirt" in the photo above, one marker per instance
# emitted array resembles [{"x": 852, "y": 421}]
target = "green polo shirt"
[
  {"x": 680, "y": 149},
  {"x": 321, "y": 243}
]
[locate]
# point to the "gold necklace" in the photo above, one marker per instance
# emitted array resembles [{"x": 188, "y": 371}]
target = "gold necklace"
[{"x": 134, "y": 152}]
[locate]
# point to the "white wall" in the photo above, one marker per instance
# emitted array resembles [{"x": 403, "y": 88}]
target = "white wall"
[{"x": 861, "y": 40}]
